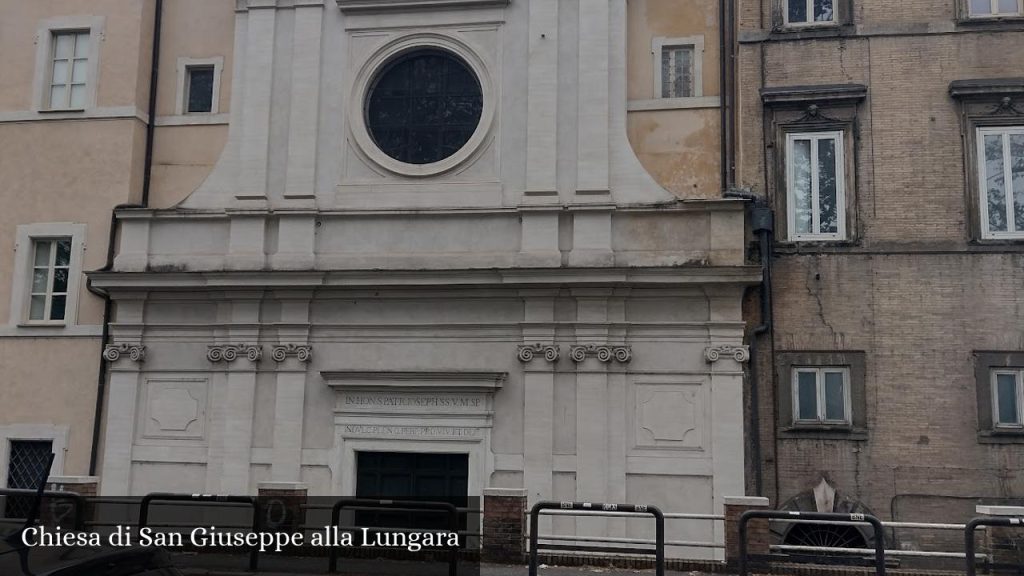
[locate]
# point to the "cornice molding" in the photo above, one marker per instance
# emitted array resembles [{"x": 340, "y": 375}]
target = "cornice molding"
[
  {"x": 415, "y": 380},
  {"x": 409, "y": 5},
  {"x": 805, "y": 95}
]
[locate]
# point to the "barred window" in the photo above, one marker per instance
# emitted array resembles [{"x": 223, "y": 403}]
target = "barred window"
[
  {"x": 677, "y": 71},
  {"x": 424, "y": 106}
]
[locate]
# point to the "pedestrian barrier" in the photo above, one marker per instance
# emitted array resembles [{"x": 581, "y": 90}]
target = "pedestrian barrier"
[
  {"x": 77, "y": 502},
  {"x": 969, "y": 536},
  {"x": 596, "y": 508},
  {"x": 167, "y": 497},
  {"x": 401, "y": 506},
  {"x": 819, "y": 517}
]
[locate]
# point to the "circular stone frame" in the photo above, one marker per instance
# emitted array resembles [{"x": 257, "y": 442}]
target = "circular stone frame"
[{"x": 378, "y": 61}]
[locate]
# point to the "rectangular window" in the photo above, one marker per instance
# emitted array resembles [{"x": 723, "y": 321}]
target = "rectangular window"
[
  {"x": 815, "y": 186},
  {"x": 993, "y": 8},
  {"x": 69, "y": 72},
  {"x": 26, "y": 464},
  {"x": 802, "y": 12},
  {"x": 1008, "y": 398},
  {"x": 199, "y": 90},
  {"x": 1001, "y": 181},
  {"x": 821, "y": 395},
  {"x": 677, "y": 71},
  {"x": 51, "y": 269}
]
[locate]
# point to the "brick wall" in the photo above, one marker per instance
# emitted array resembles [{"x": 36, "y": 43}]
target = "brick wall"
[
  {"x": 912, "y": 292},
  {"x": 504, "y": 525}
]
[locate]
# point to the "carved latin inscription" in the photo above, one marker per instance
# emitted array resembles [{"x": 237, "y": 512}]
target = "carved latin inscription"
[{"x": 412, "y": 431}]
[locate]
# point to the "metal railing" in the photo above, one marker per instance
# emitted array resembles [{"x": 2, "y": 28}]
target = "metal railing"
[
  {"x": 818, "y": 518},
  {"x": 207, "y": 498},
  {"x": 969, "y": 536},
  {"x": 396, "y": 505},
  {"x": 599, "y": 509}
]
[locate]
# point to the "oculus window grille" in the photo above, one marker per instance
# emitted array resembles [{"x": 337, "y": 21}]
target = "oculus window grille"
[{"x": 424, "y": 106}]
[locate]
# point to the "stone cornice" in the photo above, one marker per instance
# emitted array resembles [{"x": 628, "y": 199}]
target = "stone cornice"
[
  {"x": 519, "y": 277},
  {"x": 802, "y": 95},
  {"x": 461, "y": 380},
  {"x": 409, "y": 5}
]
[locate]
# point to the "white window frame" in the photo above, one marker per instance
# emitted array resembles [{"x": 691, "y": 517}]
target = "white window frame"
[
  {"x": 994, "y": 7},
  {"x": 184, "y": 64},
  {"x": 819, "y": 384},
  {"x": 659, "y": 43},
  {"x": 810, "y": 13},
  {"x": 14, "y": 432},
  {"x": 1011, "y": 225},
  {"x": 840, "y": 233},
  {"x": 46, "y": 35},
  {"x": 23, "y": 263},
  {"x": 1018, "y": 375}
]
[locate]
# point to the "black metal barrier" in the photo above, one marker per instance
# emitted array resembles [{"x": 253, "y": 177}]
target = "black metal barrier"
[
  {"x": 77, "y": 501},
  {"x": 969, "y": 536},
  {"x": 437, "y": 507},
  {"x": 659, "y": 518},
  {"x": 167, "y": 497},
  {"x": 817, "y": 517}
]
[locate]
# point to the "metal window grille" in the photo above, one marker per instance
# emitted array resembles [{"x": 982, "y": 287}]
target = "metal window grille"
[{"x": 27, "y": 463}]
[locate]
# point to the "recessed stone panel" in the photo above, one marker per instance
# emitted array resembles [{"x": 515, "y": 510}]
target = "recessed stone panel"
[
  {"x": 175, "y": 409},
  {"x": 669, "y": 416}
]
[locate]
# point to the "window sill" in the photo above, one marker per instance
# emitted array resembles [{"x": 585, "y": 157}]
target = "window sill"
[
  {"x": 51, "y": 331},
  {"x": 816, "y": 30},
  {"x": 193, "y": 119},
  {"x": 990, "y": 20},
  {"x": 695, "y": 102},
  {"x": 824, "y": 432},
  {"x": 1009, "y": 436},
  {"x": 810, "y": 246}
]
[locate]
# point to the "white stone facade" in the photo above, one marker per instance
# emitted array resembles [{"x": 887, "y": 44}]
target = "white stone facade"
[{"x": 535, "y": 301}]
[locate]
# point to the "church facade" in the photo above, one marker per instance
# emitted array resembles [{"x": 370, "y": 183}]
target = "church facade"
[{"x": 432, "y": 259}]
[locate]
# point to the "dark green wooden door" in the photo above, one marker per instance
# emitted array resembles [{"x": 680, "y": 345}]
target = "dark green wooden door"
[{"x": 411, "y": 476}]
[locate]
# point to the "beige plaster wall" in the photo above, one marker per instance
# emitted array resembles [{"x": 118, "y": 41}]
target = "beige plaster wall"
[
  {"x": 680, "y": 148},
  {"x": 126, "y": 40},
  {"x": 183, "y": 156}
]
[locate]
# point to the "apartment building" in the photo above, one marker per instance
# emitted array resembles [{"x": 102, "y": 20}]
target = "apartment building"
[
  {"x": 887, "y": 139},
  {"x": 75, "y": 142}
]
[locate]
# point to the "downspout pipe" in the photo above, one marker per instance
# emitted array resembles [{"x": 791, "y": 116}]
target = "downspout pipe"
[
  {"x": 147, "y": 173},
  {"x": 762, "y": 225},
  {"x": 727, "y": 82}
]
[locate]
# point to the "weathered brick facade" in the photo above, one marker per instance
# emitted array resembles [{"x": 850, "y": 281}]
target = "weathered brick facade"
[
  {"x": 504, "y": 525},
  {"x": 913, "y": 288}
]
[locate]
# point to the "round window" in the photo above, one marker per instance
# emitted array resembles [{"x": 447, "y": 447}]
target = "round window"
[{"x": 424, "y": 106}]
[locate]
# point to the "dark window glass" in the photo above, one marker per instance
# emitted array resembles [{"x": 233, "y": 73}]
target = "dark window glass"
[
  {"x": 424, "y": 107},
  {"x": 797, "y": 11},
  {"x": 25, "y": 466},
  {"x": 200, "y": 89}
]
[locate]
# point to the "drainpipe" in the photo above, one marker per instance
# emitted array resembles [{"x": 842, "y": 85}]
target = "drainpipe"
[
  {"x": 762, "y": 225},
  {"x": 147, "y": 171},
  {"x": 727, "y": 82}
]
